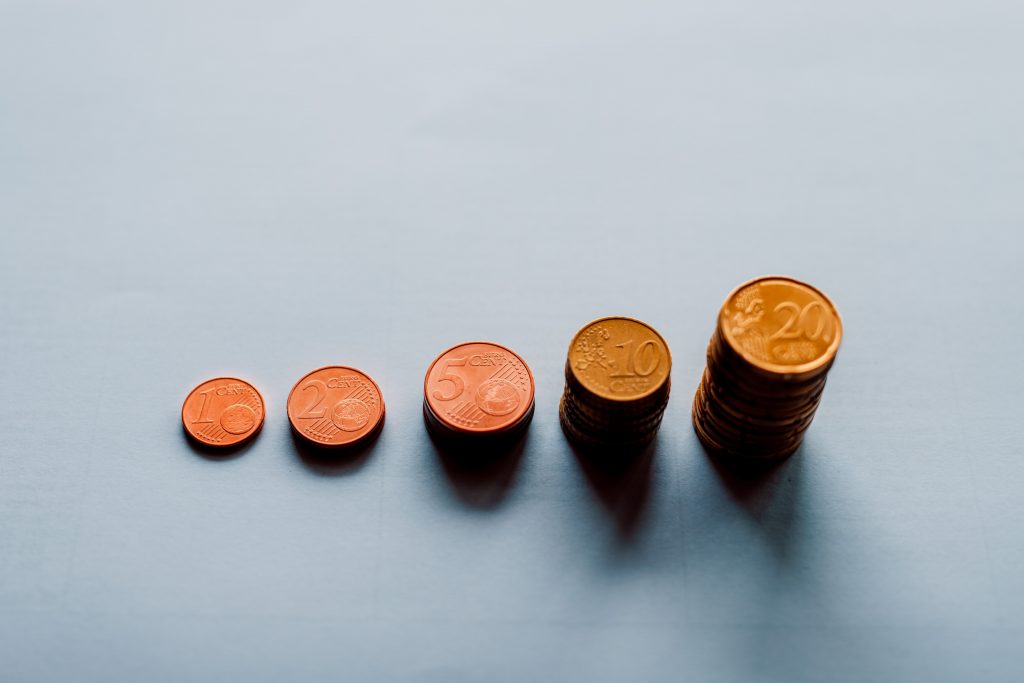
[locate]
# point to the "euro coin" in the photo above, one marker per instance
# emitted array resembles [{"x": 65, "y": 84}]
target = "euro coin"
[
  {"x": 336, "y": 407},
  {"x": 619, "y": 360},
  {"x": 780, "y": 327},
  {"x": 223, "y": 412},
  {"x": 478, "y": 389},
  {"x": 617, "y": 384}
]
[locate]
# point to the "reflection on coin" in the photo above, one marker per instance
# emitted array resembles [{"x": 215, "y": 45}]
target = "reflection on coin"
[
  {"x": 336, "y": 406},
  {"x": 223, "y": 412}
]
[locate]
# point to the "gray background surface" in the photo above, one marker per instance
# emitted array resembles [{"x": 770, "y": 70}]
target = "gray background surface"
[{"x": 190, "y": 190}]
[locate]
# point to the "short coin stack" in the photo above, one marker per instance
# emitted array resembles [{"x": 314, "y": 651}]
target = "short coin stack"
[
  {"x": 775, "y": 340},
  {"x": 478, "y": 391},
  {"x": 617, "y": 379}
]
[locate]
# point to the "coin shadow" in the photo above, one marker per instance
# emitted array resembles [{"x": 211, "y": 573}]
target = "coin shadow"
[
  {"x": 481, "y": 474},
  {"x": 621, "y": 481},
  {"x": 219, "y": 453},
  {"x": 771, "y": 494},
  {"x": 333, "y": 462}
]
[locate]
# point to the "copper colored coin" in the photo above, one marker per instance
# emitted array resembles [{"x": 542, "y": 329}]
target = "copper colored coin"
[
  {"x": 335, "y": 407},
  {"x": 223, "y": 412},
  {"x": 479, "y": 388}
]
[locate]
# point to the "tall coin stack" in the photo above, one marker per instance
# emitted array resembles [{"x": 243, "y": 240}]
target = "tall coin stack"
[
  {"x": 616, "y": 385},
  {"x": 767, "y": 362}
]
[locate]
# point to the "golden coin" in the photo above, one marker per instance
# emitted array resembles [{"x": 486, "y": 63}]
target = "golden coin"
[
  {"x": 619, "y": 359},
  {"x": 781, "y": 325}
]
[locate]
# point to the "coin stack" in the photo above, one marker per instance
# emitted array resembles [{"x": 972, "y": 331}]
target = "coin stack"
[
  {"x": 476, "y": 392},
  {"x": 617, "y": 380},
  {"x": 767, "y": 362}
]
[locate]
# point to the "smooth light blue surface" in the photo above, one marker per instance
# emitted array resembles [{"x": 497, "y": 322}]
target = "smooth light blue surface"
[{"x": 196, "y": 189}]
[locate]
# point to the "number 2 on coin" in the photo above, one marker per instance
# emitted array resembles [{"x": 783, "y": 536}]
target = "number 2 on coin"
[{"x": 321, "y": 392}]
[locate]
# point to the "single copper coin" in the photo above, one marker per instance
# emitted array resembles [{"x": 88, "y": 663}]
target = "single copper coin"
[
  {"x": 336, "y": 406},
  {"x": 223, "y": 412},
  {"x": 479, "y": 388}
]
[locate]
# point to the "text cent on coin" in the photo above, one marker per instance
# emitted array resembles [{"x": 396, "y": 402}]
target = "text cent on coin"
[
  {"x": 336, "y": 406},
  {"x": 223, "y": 412}
]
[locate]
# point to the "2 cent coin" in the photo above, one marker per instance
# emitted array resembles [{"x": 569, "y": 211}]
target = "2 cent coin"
[{"x": 336, "y": 407}]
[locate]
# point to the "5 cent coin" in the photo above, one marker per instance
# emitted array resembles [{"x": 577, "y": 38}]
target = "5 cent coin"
[{"x": 478, "y": 388}]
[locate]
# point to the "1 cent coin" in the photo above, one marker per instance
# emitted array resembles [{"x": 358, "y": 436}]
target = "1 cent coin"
[
  {"x": 479, "y": 388},
  {"x": 336, "y": 406},
  {"x": 223, "y": 412}
]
